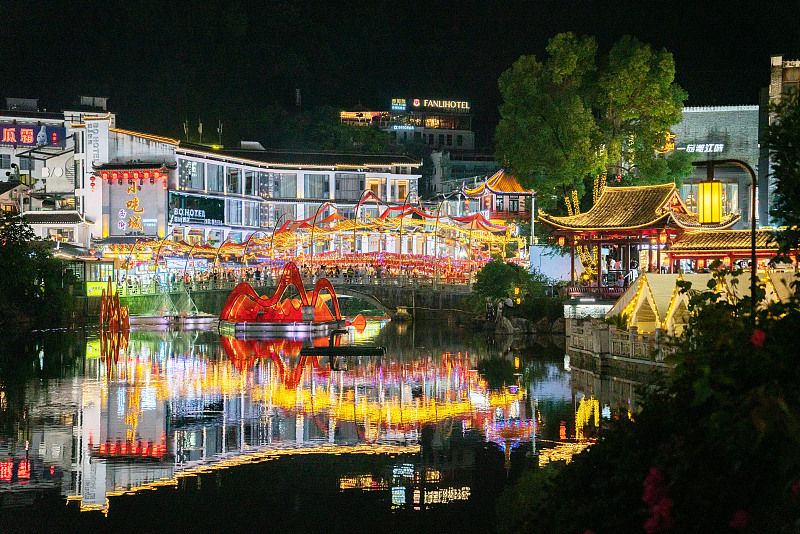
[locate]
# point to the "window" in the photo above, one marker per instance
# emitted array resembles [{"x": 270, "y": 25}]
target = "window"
[
  {"x": 285, "y": 185},
  {"x": 233, "y": 212},
  {"x": 316, "y": 186},
  {"x": 5, "y": 161},
  {"x": 430, "y": 139},
  {"x": 234, "y": 182},
  {"x": 459, "y": 140},
  {"x": 250, "y": 183},
  {"x": 190, "y": 175},
  {"x": 498, "y": 203},
  {"x": 215, "y": 180},
  {"x": 265, "y": 218},
  {"x": 27, "y": 164},
  {"x": 449, "y": 139},
  {"x": 251, "y": 213},
  {"x": 265, "y": 184},
  {"x": 441, "y": 140},
  {"x": 349, "y": 185},
  {"x": 283, "y": 213},
  {"x": 513, "y": 203}
]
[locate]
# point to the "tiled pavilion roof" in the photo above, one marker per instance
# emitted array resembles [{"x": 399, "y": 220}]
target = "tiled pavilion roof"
[
  {"x": 724, "y": 240},
  {"x": 500, "y": 183},
  {"x": 630, "y": 208}
]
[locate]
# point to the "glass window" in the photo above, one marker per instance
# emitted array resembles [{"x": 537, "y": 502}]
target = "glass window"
[
  {"x": 233, "y": 212},
  {"x": 316, "y": 186},
  {"x": 265, "y": 184},
  {"x": 283, "y": 213},
  {"x": 26, "y": 164},
  {"x": 449, "y": 139},
  {"x": 250, "y": 183},
  {"x": 251, "y": 213},
  {"x": 5, "y": 161},
  {"x": 498, "y": 203},
  {"x": 459, "y": 140},
  {"x": 265, "y": 212},
  {"x": 285, "y": 185},
  {"x": 190, "y": 175},
  {"x": 513, "y": 203},
  {"x": 349, "y": 185},
  {"x": 215, "y": 180},
  {"x": 441, "y": 140},
  {"x": 233, "y": 184}
]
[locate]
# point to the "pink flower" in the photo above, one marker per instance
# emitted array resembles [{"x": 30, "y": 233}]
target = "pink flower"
[
  {"x": 739, "y": 520},
  {"x": 757, "y": 339}
]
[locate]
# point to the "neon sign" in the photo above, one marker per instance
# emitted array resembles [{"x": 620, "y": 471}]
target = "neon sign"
[
  {"x": 442, "y": 104},
  {"x": 32, "y": 135}
]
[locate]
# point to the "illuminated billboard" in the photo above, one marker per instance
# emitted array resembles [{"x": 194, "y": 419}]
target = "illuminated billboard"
[{"x": 32, "y": 135}]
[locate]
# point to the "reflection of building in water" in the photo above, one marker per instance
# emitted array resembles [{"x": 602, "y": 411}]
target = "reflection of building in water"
[{"x": 176, "y": 403}]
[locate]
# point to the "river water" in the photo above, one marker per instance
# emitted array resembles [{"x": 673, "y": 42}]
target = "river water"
[{"x": 182, "y": 431}]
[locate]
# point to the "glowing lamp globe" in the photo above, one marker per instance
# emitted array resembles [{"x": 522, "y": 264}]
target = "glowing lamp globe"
[{"x": 710, "y": 202}]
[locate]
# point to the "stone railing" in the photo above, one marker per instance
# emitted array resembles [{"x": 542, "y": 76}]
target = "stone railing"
[{"x": 593, "y": 337}]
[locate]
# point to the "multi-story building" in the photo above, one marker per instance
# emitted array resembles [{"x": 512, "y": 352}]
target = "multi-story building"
[
  {"x": 712, "y": 133},
  {"x": 437, "y": 124},
  {"x": 89, "y": 183},
  {"x": 784, "y": 77},
  {"x": 37, "y": 149}
]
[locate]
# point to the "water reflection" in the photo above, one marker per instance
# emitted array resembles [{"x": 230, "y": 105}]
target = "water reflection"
[{"x": 100, "y": 416}]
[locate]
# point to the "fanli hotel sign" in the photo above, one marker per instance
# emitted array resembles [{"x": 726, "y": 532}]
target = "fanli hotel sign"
[
  {"x": 399, "y": 104},
  {"x": 454, "y": 105}
]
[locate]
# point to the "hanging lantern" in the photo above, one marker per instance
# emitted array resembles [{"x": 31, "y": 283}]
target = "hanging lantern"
[
  {"x": 561, "y": 241},
  {"x": 709, "y": 201},
  {"x": 662, "y": 237}
]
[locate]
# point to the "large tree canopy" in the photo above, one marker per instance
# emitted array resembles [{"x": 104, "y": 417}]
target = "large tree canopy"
[{"x": 575, "y": 116}]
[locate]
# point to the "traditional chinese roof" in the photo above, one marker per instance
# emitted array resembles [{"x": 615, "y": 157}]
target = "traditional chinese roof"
[
  {"x": 724, "y": 240},
  {"x": 500, "y": 183},
  {"x": 629, "y": 208},
  {"x": 52, "y": 217}
]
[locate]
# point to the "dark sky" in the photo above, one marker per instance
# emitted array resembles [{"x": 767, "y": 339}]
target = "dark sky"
[{"x": 161, "y": 62}]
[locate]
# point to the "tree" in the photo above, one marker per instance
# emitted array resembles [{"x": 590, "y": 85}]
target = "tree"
[
  {"x": 572, "y": 116},
  {"x": 34, "y": 288},
  {"x": 714, "y": 448},
  {"x": 783, "y": 140}
]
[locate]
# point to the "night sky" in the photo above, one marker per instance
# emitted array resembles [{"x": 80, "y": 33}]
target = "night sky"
[{"x": 161, "y": 62}]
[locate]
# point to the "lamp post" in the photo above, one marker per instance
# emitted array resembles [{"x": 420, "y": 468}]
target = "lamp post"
[
  {"x": 272, "y": 237},
  {"x": 749, "y": 169},
  {"x": 313, "y": 224},
  {"x": 402, "y": 212}
]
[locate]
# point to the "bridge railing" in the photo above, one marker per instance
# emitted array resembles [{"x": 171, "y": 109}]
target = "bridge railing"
[{"x": 133, "y": 286}]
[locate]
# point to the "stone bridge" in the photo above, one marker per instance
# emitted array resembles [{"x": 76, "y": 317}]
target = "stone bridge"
[{"x": 388, "y": 295}]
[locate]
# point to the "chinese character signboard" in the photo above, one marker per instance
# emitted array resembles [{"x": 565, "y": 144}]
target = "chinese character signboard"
[
  {"x": 32, "y": 135},
  {"x": 188, "y": 209},
  {"x": 135, "y": 207}
]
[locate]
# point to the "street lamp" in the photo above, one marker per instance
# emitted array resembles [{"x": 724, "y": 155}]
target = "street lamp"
[
  {"x": 709, "y": 201},
  {"x": 749, "y": 169},
  {"x": 313, "y": 224},
  {"x": 402, "y": 212}
]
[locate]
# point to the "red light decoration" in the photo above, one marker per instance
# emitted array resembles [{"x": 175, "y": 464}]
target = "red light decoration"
[
  {"x": 105, "y": 175},
  {"x": 125, "y": 175},
  {"x": 136, "y": 175},
  {"x": 114, "y": 175},
  {"x": 165, "y": 184}
]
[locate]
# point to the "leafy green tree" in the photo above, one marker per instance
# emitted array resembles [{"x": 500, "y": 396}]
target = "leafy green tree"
[
  {"x": 783, "y": 139},
  {"x": 714, "y": 448},
  {"x": 34, "y": 288},
  {"x": 573, "y": 116}
]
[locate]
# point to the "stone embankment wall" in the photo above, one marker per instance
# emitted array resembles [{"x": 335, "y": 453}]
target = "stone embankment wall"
[{"x": 602, "y": 348}]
